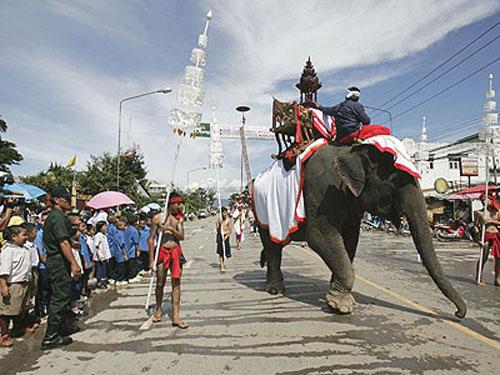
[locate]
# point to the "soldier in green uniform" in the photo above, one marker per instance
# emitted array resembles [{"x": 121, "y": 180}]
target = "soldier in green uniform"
[{"x": 61, "y": 266}]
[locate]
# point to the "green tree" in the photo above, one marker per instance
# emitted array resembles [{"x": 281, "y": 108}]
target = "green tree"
[
  {"x": 8, "y": 153},
  {"x": 197, "y": 199},
  {"x": 56, "y": 175},
  {"x": 100, "y": 175}
]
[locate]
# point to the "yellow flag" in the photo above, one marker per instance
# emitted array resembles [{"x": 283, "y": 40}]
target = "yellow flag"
[{"x": 71, "y": 161}]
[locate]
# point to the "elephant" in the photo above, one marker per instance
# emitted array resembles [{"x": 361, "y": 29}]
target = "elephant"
[{"x": 340, "y": 184}]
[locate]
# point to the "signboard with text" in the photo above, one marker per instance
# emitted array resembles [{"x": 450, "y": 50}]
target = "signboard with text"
[
  {"x": 203, "y": 130},
  {"x": 469, "y": 167}
]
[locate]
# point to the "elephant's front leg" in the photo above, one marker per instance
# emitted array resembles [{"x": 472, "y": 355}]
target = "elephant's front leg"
[{"x": 326, "y": 240}]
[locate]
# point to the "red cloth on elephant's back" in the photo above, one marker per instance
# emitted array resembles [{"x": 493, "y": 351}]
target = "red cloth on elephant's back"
[
  {"x": 366, "y": 131},
  {"x": 495, "y": 243}
]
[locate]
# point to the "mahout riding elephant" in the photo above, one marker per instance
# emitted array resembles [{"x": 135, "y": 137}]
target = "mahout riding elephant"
[{"x": 340, "y": 184}]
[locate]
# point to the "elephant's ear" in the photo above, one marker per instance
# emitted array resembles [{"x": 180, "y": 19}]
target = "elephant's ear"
[{"x": 351, "y": 172}]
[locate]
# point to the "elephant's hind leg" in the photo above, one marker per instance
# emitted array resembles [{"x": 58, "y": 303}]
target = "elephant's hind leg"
[
  {"x": 274, "y": 277},
  {"x": 271, "y": 255}
]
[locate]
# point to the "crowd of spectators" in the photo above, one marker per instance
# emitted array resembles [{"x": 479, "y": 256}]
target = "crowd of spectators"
[{"x": 53, "y": 258}]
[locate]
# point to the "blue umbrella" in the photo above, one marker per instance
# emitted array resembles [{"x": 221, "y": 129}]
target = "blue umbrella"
[{"x": 28, "y": 191}]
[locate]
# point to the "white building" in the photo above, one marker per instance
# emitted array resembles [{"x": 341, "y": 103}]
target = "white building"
[
  {"x": 157, "y": 189},
  {"x": 463, "y": 162},
  {"x": 455, "y": 162}
]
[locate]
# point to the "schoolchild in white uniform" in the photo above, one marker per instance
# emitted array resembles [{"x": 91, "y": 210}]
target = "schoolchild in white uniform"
[
  {"x": 15, "y": 276},
  {"x": 35, "y": 258},
  {"x": 102, "y": 255}
]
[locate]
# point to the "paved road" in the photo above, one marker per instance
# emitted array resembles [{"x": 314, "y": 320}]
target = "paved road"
[{"x": 237, "y": 328}]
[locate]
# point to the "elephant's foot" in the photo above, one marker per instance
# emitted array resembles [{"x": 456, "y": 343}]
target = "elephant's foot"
[
  {"x": 275, "y": 287},
  {"x": 339, "y": 298},
  {"x": 341, "y": 302}
]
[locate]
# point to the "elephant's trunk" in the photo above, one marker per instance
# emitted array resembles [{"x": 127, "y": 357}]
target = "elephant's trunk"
[{"x": 414, "y": 207}]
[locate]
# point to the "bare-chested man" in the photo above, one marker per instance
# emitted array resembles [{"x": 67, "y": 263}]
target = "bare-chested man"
[
  {"x": 169, "y": 257},
  {"x": 492, "y": 236}
]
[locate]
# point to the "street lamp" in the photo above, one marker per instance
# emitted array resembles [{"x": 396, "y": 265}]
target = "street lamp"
[
  {"x": 244, "y": 153},
  {"x": 192, "y": 170},
  {"x": 166, "y": 90}
]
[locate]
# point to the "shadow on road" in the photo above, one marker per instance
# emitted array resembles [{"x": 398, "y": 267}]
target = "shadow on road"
[{"x": 312, "y": 291}]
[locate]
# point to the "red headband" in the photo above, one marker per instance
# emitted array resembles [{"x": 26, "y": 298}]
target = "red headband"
[{"x": 175, "y": 200}]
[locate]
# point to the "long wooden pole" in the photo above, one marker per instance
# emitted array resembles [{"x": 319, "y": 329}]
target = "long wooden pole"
[
  {"x": 164, "y": 218},
  {"x": 486, "y": 202}
]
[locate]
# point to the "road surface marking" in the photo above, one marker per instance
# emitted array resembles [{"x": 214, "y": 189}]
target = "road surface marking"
[
  {"x": 493, "y": 343},
  {"x": 469, "y": 251},
  {"x": 200, "y": 247},
  {"x": 490, "y": 342}
]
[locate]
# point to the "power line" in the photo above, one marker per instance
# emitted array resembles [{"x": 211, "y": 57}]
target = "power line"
[
  {"x": 459, "y": 142},
  {"x": 447, "y": 88},
  {"x": 442, "y": 64},
  {"x": 457, "y": 124},
  {"x": 461, "y": 121},
  {"x": 458, "y": 130},
  {"x": 445, "y": 72}
]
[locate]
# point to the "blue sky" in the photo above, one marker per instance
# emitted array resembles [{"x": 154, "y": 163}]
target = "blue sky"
[{"x": 66, "y": 65}]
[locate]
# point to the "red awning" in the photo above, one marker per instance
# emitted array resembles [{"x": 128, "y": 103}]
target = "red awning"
[{"x": 477, "y": 189}]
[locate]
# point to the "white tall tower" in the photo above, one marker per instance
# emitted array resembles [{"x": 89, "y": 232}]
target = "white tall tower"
[
  {"x": 490, "y": 117},
  {"x": 422, "y": 154},
  {"x": 190, "y": 94},
  {"x": 216, "y": 157},
  {"x": 423, "y": 136},
  {"x": 490, "y": 133}
]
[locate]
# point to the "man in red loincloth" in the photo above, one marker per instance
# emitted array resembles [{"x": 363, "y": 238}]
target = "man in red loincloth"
[
  {"x": 491, "y": 236},
  {"x": 169, "y": 257}
]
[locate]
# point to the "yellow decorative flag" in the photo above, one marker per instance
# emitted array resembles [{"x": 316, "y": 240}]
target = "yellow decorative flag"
[{"x": 71, "y": 162}]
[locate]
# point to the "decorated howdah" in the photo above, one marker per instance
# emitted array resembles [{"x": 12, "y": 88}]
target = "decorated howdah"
[{"x": 297, "y": 125}]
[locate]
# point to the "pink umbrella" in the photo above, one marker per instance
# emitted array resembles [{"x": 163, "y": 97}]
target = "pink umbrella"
[{"x": 108, "y": 199}]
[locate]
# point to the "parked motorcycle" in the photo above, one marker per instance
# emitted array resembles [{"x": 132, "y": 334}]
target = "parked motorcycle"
[
  {"x": 374, "y": 223},
  {"x": 457, "y": 230}
]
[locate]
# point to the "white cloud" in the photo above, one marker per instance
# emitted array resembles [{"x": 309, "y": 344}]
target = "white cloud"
[
  {"x": 255, "y": 50},
  {"x": 119, "y": 18},
  {"x": 272, "y": 39}
]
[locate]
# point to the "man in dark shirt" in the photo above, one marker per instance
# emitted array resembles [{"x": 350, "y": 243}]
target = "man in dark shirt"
[
  {"x": 349, "y": 115},
  {"x": 61, "y": 266}
]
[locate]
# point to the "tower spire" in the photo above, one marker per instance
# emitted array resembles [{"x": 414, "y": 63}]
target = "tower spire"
[{"x": 423, "y": 136}]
